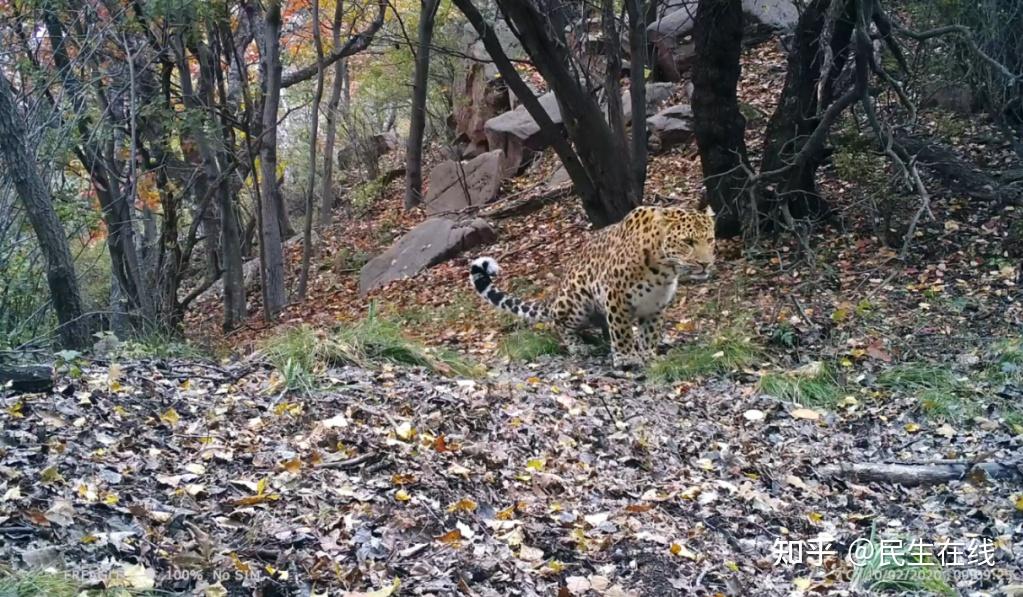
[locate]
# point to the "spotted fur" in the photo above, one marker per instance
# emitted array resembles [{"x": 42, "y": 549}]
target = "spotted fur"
[{"x": 626, "y": 275}]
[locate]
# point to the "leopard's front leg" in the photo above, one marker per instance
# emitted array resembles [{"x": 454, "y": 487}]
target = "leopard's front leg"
[
  {"x": 650, "y": 333},
  {"x": 625, "y": 350}
]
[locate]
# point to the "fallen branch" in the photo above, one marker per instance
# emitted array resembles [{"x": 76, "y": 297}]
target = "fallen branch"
[
  {"x": 351, "y": 462},
  {"x": 955, "y": 173},
  {"x": 934, "y": 473},
  {"x": 529, "y": 204}
]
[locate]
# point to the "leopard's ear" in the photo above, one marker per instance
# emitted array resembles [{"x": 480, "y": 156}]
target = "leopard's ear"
[{"x": 709, "y": 211}]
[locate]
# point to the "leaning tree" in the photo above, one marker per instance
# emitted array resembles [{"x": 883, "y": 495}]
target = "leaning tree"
[{"x": 606, "y": 169}]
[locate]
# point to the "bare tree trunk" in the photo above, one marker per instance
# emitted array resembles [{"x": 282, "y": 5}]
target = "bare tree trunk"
[
  {"x": 327, "y": 185},
  {"x": 35, "y": 196},
  {"x": 214, "y": 164},
  {"x": 414, "y": 148},
  {"x": 798, "y": 111},
  {"x": 637, "y": 89},
  {"x": 719, "y": 125},
  {"x": 274, "y": 292},
  {"x": 307, "y": 233},
  {"x": 97, "y": 159}
]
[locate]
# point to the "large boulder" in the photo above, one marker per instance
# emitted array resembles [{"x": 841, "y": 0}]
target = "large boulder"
[
  {"x": 434, "y": 241},
  {"x": 778, "y": 14},
  {"x": 457, "y": 185},
  {"x": 516, "y": 133},
  {"x": 669, "y": 127},
  {"x": 676, "y": 19},
  {"x": 656, "y": 94},
  {"x": 671, "y": 57}
]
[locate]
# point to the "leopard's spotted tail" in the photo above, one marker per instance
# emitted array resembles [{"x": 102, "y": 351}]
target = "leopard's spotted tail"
[{"x": 482, "y": 273}]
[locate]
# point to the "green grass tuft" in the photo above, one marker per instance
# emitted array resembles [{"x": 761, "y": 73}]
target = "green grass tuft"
[
  {"x": 728, "y": 351},
  {"x": 900, "y": 570},
  {"x": 939, "y": 391},
  {"x": 817, "y": 388},
  {"x": 297, "y": 354},
  {"x": 301, "y": 353},
  {"x": 528, "y": 344},
  {"x": 37, "y": 584}
]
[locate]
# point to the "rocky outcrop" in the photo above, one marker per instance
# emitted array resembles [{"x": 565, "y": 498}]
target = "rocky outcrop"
[
  {"x": 478, "y": 98},
  {"x": 434, "y": 241},
  {"x": 517, "y": 134},
  {"x": 457, "y": 185}
]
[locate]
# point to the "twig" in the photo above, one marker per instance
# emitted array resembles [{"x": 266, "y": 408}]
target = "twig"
[{"x": 351, "y": 462}]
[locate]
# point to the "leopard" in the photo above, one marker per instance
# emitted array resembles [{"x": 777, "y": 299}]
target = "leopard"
[{"x": 625, "y": 275}]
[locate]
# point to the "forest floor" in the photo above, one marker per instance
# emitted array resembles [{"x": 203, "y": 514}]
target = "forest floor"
[{"x": 500, "y": 469}]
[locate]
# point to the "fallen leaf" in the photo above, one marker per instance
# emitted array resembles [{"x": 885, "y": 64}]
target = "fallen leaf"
[
  {"x": 805, "y": 413},
  {"x": 530, "y": 554}
]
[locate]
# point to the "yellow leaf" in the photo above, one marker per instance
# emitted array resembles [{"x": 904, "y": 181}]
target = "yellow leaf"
[
  {"x": 732, "y": 566},
  {"x": 171, "y": 417},
  {"x": 239, "y": 564},
  {"x": 509, "y": 512},
  {"x": 463, "y": 505},
  {"x": 452, "y": 538},
  {"x": 911, "y": 427},
  {"x": 1019, "y": 503},
  {"x": 261, "y": 486},
  {"x": 801, "y": 583},
  {"x": 15, "y": 409},
  {"x": 681, "y": 550},
  {"x": 402, "y": 496},
  {"x": 533, "y": 380},
  {"x": 111, "y": 499},
  {"x": 555, "y": 566},
  {"x": 536, "y": 464},
  {"x": 815, "y": 517}
]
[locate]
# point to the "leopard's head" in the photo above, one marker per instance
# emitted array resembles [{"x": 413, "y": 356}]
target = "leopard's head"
[{"x": 689, "y": 241}]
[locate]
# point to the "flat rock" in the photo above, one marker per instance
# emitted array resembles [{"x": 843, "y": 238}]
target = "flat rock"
[
  {"x": 671, "y": 126},
  {"x": 457, "y": 185},
  {"x": 434, "y": 241}
]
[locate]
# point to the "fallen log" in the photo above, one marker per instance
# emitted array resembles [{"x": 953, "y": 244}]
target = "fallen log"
[
  {"x": 957, "y": 174},
  {"x": 932, "y": 473},
  {"x": 26, "y": 378}
]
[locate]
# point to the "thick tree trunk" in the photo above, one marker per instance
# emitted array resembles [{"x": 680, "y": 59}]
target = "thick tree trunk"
[
  {"x": 414, "y": 148},
  {"x": 274, "y": 292},
  {"x": 718, "y": 123},
  {"x": 327, "y": 184},
  {"x": 215, "y": 182},
  {"x": 314, "y": 133},
  {"x": 607, "y": 190},
  {"x": 798, "y": 112},
  {"x": 637, "y": 12},
  {"x": 35, "y": 196}
]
